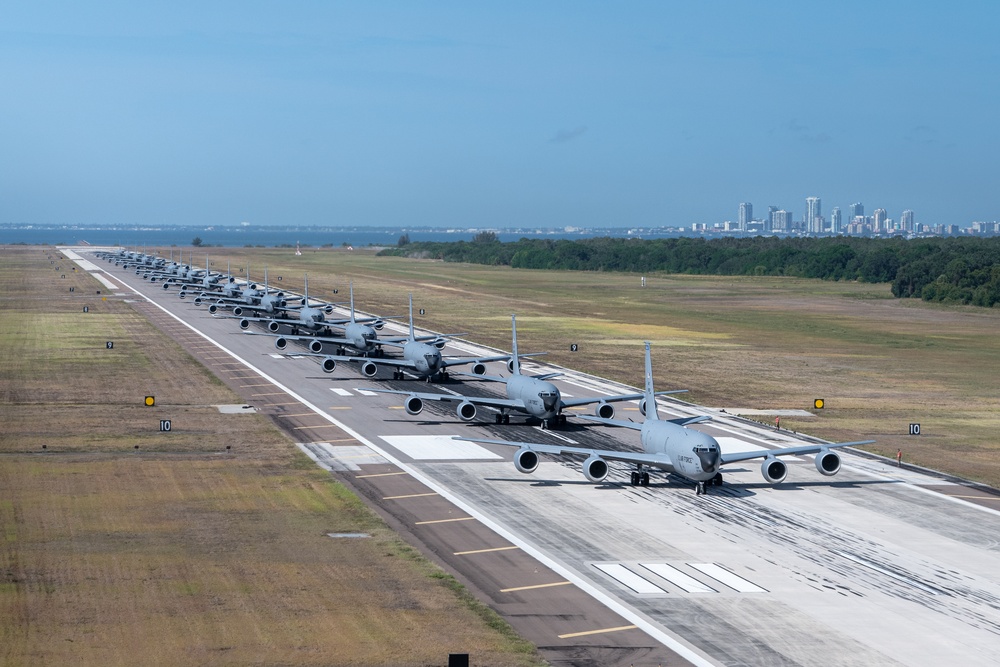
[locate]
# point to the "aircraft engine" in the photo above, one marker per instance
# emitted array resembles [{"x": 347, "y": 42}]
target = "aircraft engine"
[
  {"x": 244, "y": 324},
  {"x": 605, "y": 410},
  {"x": 315, "y": 346},
  {"x": 182, "y": 294},
  {"x": 596, "y": 469},
  {"x": 413, "y": 405},
  {"x": 329, "y": 365},
  {"x": 439, "y": 343},
  {"x": 282, "y": 304},
  {"x": 642, "y": 407},
  {"x": 197, "y": 301},
  {"x": 773, "y": 470},
  {"x": 213, "y": 308},
  {"x": 369, "y": 369},
  {"x": 328, "y": 309},
  {"x": 280, "y": 342},
  {"x": 466, "y": 411},
  {"x": 479, "y": 369},
  {"x": 272, "y": 326},
  {"x": 166, "y": 285},
  {"x": 827, "y": 462},
  {"x": 237, "y": 311},
  {"x": 377, "y": 325},
  {"x": 510, "y": 365},
  {"x": 526, "y": 461}
]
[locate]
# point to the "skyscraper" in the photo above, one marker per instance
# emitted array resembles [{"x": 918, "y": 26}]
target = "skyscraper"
[
  {"x": 906, "y": 221},
  {"x": 836, "y": 223},
  {"x": 746, "y": 214},
  {"x": 813, "y": 215},
  {"x": 857, "y": 208},
  {"x": 782, "y": 221},
  {"x": 879, "y": 218}
]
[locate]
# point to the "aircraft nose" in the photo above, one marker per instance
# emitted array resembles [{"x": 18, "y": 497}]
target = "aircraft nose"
[{"x": 709, "y": 460}]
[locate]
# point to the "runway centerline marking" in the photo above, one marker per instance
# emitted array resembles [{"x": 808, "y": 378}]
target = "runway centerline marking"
[
  {"x": 485, "y": 551},
  {"x": 597, "y": 632}
]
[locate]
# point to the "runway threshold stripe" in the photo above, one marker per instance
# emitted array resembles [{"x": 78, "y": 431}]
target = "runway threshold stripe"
[
  {"x": 529, "y": 588},
  {"x": 724, "y": 576},
  {"x": 412, "y": 495},
  {"x": 484, "y": 551},
  {"x": 597, "y": 632},
  {"x": 464, "y": 518},
  {"x": 380, "y": 474}
]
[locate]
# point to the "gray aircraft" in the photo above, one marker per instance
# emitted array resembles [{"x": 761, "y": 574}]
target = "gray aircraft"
[
  {"x": 360, "y": 335},
  {"x": 310, "y": 318},
  {"x": 670, "y": 446},
  {"x": 421, "y": 358},
  {"x": 533, "y": 395}
]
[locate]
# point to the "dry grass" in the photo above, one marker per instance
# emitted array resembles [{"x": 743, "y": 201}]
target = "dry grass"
[
  {"x": 183, "y": 555},
  {"x": 879, "y": 362}
]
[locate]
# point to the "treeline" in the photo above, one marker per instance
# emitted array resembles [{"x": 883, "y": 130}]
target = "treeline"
[{"x": 955, "y": 270}]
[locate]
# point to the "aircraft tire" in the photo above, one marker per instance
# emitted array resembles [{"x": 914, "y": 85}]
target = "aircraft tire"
[
  {"x": 634, "y": 479},
  {"x": 717, "y": 480},
  {"x": 644, "y": 479}
]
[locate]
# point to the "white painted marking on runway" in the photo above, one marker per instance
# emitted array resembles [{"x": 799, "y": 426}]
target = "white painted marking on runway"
[
  {"x": 104, "y": 281},
  {"x": 558, "y": 436},
  {"x": 724, "y": 576},
  {"x": 685, "y": 582},
  {"x": 438, "y": 447},
  {"x": 365, "y": 392},
  {"x": 276, "y": 356},
  {"x": 339, "y": 391},
  {"x": 735, "y": 445},
  {"x": 628, "y": 578}
]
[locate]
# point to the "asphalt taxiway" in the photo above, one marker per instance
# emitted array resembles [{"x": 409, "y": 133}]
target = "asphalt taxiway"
[{"x": 878, "y": 565}]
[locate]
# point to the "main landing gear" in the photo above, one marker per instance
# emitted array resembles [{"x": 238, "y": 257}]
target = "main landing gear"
[
  {"x": 503, "y": 418},
  {"x": 639, "y": 477}
]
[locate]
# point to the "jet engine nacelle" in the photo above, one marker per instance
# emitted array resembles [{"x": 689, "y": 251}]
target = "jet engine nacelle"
[
  {"x": 479, "y": 368},
  {"x": 329, "y": 365},
  {"x": 377, "y": 325},
  {"x": 773, "y": 470},
  {"x": 510, "y": 365},
  {"x": 466, "y": 411},
  {"x": 827, "y": 462},
  {"x": 369, "y": 369},
  {"x": 439, "y": 343},
  {"x": 197, "y": 301},
  {"x": 596, "y": 469},
  {"x": 182, "y": 294},
  {"x": 213, "y": 308},
  {"x": 413, "y": 405},
  {"x": 272, "y": 326},
  {"x": 166, "y": 285},
  {"x": 244, "y": 324},
  {"x": 280, "y": 342},
  {"x": 605, "y": 410},
  {"x": 237, "y": 311},
  {"x": 315, "y": 346},
  {"x": 526, "y": 461}
]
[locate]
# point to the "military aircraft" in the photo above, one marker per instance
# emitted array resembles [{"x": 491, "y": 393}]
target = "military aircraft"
[
  {"x": 421, "y": 358},
  {"x": 672, "y": 447},
  {"x": 360, "y": 335},
  {"x": 530, "y": 394}
]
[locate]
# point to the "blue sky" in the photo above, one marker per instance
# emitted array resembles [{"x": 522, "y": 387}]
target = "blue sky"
[{"x": 504, "y": 114}]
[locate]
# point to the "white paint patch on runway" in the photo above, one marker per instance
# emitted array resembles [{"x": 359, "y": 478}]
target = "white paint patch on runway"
[
  {"x": 683, "y": 581},
  {"x": 340, "y": 458},
  {"x": 438, "y": 447},
  {"x": 276, "y": 356},
  {"x": 339, "y": 391},
  {"x": 735, "y": 445},
  {"x": 727, "y": 578},
  {"x": 629, "y": 579},
  {"x": 104, "y": 281},
  {"x": 365, "y": 392}
]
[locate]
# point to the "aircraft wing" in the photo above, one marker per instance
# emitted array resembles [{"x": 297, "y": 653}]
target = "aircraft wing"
[
  {"x": 458, "y": 361},
  {"x": 476, "y": 400},
  {"x": 611, "y": 422},
  {"x": 788, "y": 451},
  {"x": 658, "y": 460},
  {"x": 322, "y": 339},
  {"x": 573, "y": 402}
]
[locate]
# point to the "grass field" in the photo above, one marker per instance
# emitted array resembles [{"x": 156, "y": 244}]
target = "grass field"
[
  {"x": 762, "y": 343},
  {"x": 181, "y": 553}
]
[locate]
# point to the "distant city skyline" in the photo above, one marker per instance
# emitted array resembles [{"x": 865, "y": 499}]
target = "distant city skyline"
[{"x": 474, "y": 115}]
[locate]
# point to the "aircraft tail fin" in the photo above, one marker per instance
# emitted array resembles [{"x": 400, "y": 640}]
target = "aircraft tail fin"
[
  {"x": 412, "y": 337},
  {"x": 515, "y": 361},
  {"x": 650, "y": 396},
  {"x": 305, "y": 291},
  {"x": 352, "y": 302}
]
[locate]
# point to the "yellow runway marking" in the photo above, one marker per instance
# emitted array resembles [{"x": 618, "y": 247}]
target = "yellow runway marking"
[
  {"x": 300, "y": 428},
  {"x": 484, "y": 551},
  {"x": 528, "y": 588},
  {"x": 974, "y": 497},
  {"x": 412, "y": 495},
  {"x": 381, "y": 474},
  {"x": 266, "y": 384},
  {"x": 273, "y": 393},
  {"x": 339, "y": 407},
  {"x": 597, "y": 632},
  {"x": 464, "y": 518}
]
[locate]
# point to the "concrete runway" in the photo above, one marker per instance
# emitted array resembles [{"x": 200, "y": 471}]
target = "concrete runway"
[{"x": 878, "y": 565}]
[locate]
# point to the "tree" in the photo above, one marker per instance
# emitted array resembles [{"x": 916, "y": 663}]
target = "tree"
[
  {"x": 403, "y": 240},
  {"x": 196, "y": 241},
  {"x": 485, "y": 237}
]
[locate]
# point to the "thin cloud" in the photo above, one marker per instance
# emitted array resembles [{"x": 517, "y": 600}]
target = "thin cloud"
[{"x": 563, "y": 136}]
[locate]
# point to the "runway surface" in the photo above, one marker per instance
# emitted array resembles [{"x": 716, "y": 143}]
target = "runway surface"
[{"x": 878, "y": 565}]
